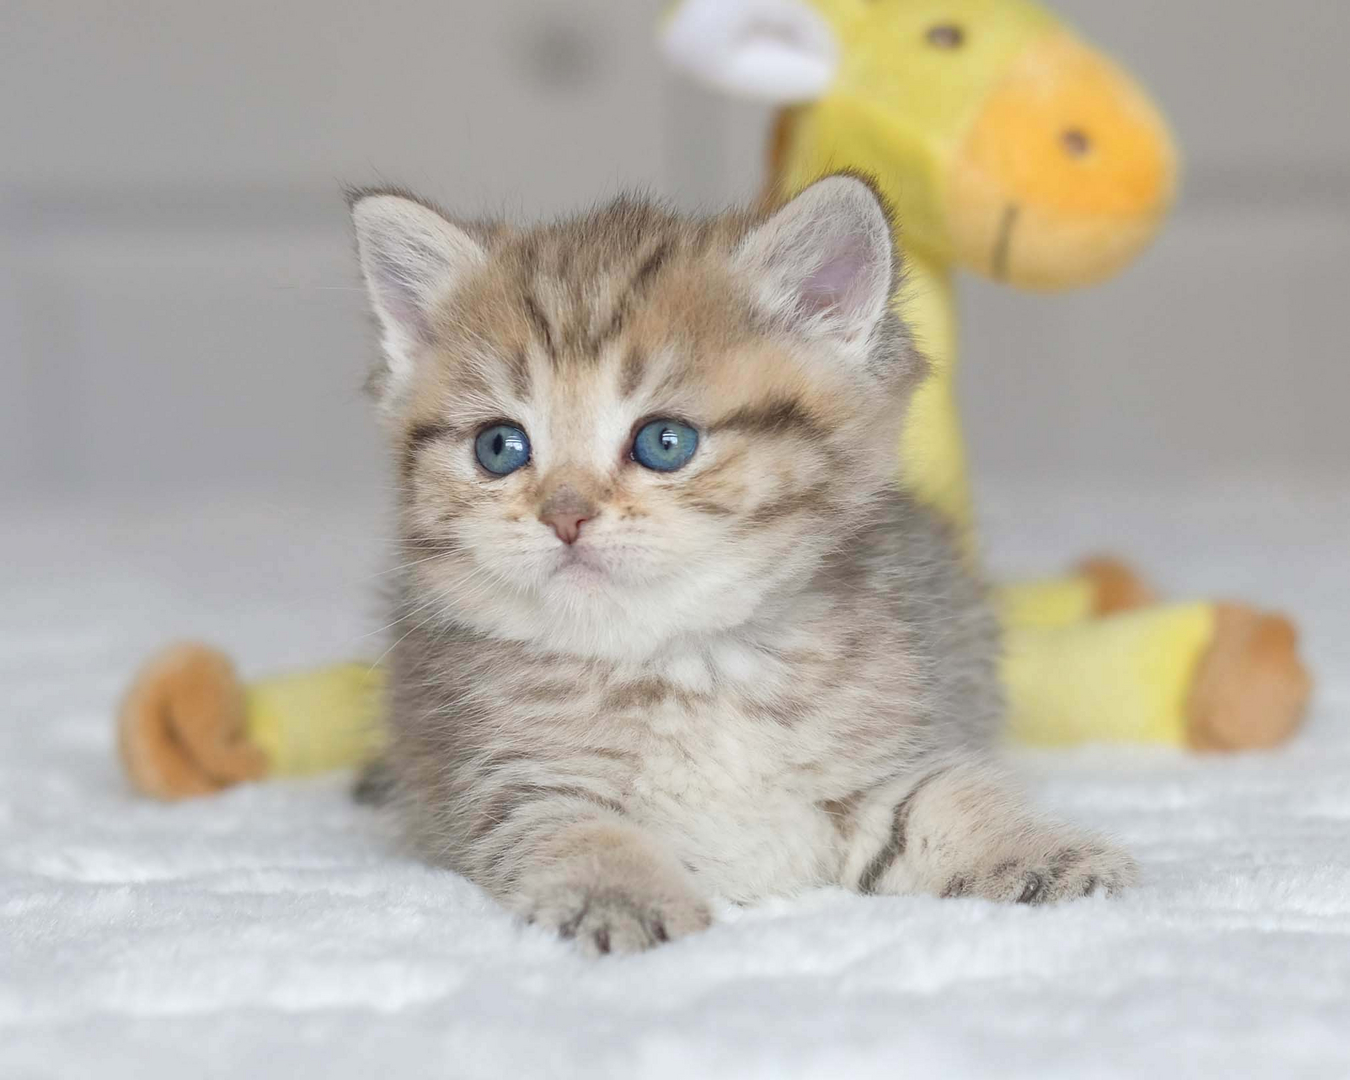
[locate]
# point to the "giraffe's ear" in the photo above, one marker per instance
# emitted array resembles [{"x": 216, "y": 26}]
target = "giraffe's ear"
[{"x": 779, "y": 51}]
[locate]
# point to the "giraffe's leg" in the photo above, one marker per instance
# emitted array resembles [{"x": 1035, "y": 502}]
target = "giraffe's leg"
[
  {"x": 1116, "y": 585},
  {"x": 318, "y": 720},
  {"x": 1102, "y": 585},
  {"x": 1203, "y": 675},
  {"x": 189, "y": 726}
]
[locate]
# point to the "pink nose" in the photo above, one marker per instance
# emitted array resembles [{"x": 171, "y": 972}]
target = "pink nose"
[{"x": 567, "y": 525}]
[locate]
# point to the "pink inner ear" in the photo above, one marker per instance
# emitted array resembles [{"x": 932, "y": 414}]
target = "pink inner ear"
[
  {"x": 403, "y": 279},
  {"x": 834, "y": 285}
]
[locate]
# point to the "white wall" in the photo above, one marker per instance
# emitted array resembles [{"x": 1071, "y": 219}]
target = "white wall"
[{"x": 178, "y": 302}]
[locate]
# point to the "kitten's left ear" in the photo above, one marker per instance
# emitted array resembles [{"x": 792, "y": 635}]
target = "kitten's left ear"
[
  {"x": 825, "y": 262},
  {"x": 411, "y": 257}
]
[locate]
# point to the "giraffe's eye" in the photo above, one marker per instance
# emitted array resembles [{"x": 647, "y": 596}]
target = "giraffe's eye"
[{"x": 946, "y": 36}]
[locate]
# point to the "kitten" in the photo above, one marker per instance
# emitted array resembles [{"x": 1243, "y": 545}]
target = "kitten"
[{"x": 669, "y": 629}]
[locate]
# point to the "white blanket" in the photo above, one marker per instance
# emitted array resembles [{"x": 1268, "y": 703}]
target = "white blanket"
[{"x": 276, "y": 931}]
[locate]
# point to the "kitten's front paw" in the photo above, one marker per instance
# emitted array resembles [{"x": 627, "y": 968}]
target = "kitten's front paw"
[
  {"x": 612, "y": 918},
  {"x": 1027, "y": 872}
]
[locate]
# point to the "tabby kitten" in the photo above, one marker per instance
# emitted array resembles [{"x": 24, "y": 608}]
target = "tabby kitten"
[{"x": 669, "y": 630}]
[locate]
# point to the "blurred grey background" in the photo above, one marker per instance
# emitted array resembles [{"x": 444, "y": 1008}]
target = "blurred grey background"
[{"x": 180, "y": 312}]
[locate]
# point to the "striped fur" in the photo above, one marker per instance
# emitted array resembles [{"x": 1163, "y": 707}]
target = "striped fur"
[{"x": 766, "y": 671}]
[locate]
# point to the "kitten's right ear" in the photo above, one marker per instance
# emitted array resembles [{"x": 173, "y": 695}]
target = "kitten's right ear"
[{"x": 410, "y": 257}]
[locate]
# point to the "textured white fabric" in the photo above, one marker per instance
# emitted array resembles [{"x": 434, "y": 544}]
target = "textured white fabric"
[{"x": 275, "y": 931}]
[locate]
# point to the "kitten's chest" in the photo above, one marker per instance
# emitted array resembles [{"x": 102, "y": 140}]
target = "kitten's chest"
[
  {"x": 734, "y": 770},
  {"x": 738, "y": 802}
]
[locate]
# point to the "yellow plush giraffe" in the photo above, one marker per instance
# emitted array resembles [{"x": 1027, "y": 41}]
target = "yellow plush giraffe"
[
  {"x": 1009, "y": 147},
  {"x": 1006, "y": 146}
]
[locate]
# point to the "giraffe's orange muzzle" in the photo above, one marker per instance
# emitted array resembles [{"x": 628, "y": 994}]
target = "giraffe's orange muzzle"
[{"x": 1065, "y": 174}]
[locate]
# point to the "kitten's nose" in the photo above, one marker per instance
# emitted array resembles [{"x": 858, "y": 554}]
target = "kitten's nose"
[
  {"x": 567, "y": 503},
  {"x": 565, "y": 523}
]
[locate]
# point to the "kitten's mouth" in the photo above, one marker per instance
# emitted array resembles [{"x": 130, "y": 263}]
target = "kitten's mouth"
[{"x": 580, "y": 564}]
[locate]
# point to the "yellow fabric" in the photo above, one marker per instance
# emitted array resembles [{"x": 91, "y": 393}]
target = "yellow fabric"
[
  {"x": 1124, "y": 678},
  {"x": 932, "y": 451},
  {"x": 1051, "y": 602},
  {"x": 328, "y": 718}
]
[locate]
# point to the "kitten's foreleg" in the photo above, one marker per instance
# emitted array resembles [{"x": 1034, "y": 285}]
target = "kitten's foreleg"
[
  {"x": 591, "y": 875},
  {"x": 961, "y": 830}
]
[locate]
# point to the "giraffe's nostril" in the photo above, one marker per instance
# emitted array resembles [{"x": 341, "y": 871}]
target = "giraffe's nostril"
[
  {"x": 946, "y": 36},
  {"x": 1075, "y": 142}
]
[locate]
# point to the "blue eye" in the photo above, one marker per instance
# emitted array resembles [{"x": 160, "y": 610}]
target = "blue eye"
[
  {"x": 664, "y": 445},
  {"x": 502, "y": 448}
]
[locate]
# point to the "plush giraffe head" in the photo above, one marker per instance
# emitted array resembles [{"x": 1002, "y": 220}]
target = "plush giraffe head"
[{"x": 1004, "y": 142}]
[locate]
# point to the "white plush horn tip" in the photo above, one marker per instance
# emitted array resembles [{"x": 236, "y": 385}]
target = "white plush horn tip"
[{"x": 779, "y": 51}]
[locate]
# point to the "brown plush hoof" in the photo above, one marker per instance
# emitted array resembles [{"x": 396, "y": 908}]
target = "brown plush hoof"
[
  {"x": 1115, "y": 585},
  {"x": 1251, "y": 689},
  {"x": 181, "y": 725}
]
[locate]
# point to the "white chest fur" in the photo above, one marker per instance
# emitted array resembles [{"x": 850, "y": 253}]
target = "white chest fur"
[{"x": 734, "y": 790}]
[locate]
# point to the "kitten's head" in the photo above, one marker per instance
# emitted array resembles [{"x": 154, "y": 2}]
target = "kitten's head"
[{"x": 630, "y": 426}]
